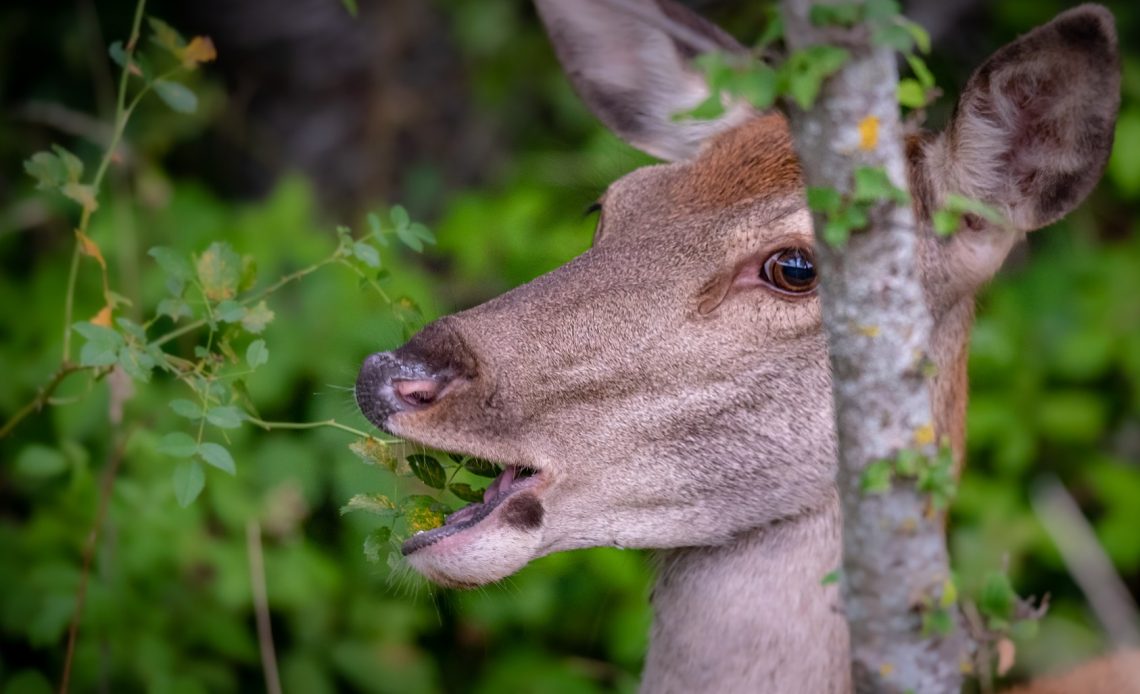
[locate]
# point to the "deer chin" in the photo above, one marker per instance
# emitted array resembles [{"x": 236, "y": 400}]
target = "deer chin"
[{"x": 484, "y": 542}]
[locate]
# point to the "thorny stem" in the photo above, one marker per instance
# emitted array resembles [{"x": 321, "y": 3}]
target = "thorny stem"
[{"x": 330, "y": 423}]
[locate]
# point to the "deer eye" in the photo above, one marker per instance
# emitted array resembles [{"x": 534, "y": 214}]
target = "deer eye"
[{"x": 790, "y": 270}]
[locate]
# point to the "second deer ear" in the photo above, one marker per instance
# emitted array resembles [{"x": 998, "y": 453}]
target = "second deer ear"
[
  {"x": 630, "y": 62},
  {"x": 1034, "y": 126}
]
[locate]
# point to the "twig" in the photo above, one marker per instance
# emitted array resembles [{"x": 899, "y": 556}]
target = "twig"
[
  {"x": 42, "y": 397},
  {"x": 1087, "y": 562},
  {"x": 261, "y": 607},
  {"x": 331, "y": 423},
  {"x": 105, "y": 485}
]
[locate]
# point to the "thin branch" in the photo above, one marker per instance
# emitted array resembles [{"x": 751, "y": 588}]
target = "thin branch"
[
  {"x": 330, "y": 423},
  {"x": 106, "y": 484},
  {"x": 261, "y": 607},
  {"x": 1087, "y": 562},
  {"x": 42, "y": 397}
]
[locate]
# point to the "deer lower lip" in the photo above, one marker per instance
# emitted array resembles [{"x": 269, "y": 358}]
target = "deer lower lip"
[{"x": 509, "y": 482}]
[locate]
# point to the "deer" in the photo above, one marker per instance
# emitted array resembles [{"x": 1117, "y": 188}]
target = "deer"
[{"x": 669, "y": 388}]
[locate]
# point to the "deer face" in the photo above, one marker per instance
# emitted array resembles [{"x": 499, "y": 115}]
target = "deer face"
[{"x": 670, "y": 387}]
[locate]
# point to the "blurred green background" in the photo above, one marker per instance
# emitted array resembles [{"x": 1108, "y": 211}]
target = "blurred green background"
[{"x": 311, "y": 117}]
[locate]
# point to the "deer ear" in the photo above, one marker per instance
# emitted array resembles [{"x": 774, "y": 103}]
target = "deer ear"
[
  {"x": 1034, "y": 126},
  {"x": 629, "y": 60}
]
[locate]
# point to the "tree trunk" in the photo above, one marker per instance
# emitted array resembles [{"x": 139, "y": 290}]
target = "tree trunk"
[{"x": 878, "y": 329}]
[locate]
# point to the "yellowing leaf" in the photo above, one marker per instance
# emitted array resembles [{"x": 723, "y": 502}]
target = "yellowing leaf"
[
  {"x": 868, "y": 133},
  {"x": 82, "y": 194},
  {"x": 199, "y": 50},
  {"x": 219, "y": 270},
  {"x": 90, "y": 248},
  {"x": 103, "y": 318},
  {"x": 867, "y": 330},
  {"x": 420, "y": 519},
  {"x": 924, "y": 435},
  {"x": 257, "y": 317}
]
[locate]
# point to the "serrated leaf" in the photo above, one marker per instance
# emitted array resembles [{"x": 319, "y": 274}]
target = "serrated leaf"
[
  {"x": 225, "y": 416},
  {"x": 256, "y": 354},
  {"x": 189, "y": 478},
  {"x": 483, "y": 468},
  {"x": 466, "y": 493},
  {"x": 377, "y": 504},
  {"x": 178, "y": 444},
  {"x": 47, "y": 169},
  {"x": 175, "y": 308},
  {"x": 366, "y": 253},
  {"x": 176, "y": 95},
  {"x": 72, "y": 165},
  {"x": 229, "y": 311},
  {"x": 186, "y": 408},
  {"x": 219, "y": 271},
  {"x": 376, "y": 544},
  {"x": 423, "y": 519},
  {"x": 257, "y": 317},
  {"x": 428, "y": 470},
  {"x": 217, "y": 455},
  {"x": 136, "y": 363},
  {"x": 373, "y": 452},
  {"x": 171, "y": 261},
  {"x": 102, "y": 346}
]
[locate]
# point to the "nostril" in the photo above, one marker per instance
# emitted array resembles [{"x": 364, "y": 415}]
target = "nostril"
[{"x": 419, "y": 392}]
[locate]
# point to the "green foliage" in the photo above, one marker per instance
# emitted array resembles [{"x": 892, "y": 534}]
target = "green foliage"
[{"x": 844, "y": 214}]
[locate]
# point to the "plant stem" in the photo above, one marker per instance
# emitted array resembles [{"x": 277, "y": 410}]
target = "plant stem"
[
  {"x": 261, "y": 608},
  {"x": 331, "y": 423},
  {"x": 65, "y": 369}
]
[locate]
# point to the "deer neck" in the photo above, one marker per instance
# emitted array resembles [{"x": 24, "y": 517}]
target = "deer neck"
[{"x": 753, "y": 614}]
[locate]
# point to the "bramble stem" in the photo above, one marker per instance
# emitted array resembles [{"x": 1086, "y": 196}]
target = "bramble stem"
[{"x": 330, "y": 423}]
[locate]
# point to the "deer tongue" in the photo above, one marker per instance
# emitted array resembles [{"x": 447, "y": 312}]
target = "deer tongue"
[{"x": 501, "y": 483}]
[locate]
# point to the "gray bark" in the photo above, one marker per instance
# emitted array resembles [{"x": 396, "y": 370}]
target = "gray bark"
[{"x": 878, "y": 330}]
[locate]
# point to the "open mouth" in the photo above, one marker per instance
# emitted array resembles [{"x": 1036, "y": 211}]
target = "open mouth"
[{"x": 513, "y": 479}]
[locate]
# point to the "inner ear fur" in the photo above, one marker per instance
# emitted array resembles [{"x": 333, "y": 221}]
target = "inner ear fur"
[{"x": 1033, "y": 129}]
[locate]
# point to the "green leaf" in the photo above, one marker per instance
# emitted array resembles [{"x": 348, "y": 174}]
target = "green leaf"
[
  {"x": 178, "y": 444},
  {"x": 824, "y": 200},
  {"x": 219, "y": 271},
  {"x": 216, "y": 455},
  {"x": 911, "y": 94},
  {"x": 187, "y": 409},
  {"x": 136, "y": 362},
  {"x": 917, "y": 33},
  {"x": 189, "y": 479},
  {"x": 350, "y": 5},
  {"x": 773, "y": 29},
  {"x": 102, "y": 346},
  {"x": 937, "y": 621},
  {"x": 47, "y": 169},
  {"x": 873, "y": 185},
  {"x": 166, "y": 36},
  {"x": 399, "y": 217},
  {"x": 175, "y": 308},
  {"x": 172, "y": 262},
  {"x": 921, "y": 72},
  {"x": 225, "y": 417},
  {"x": 366, "y": 253},
  {"x": 840, "y": 14},
  {"x": 409, "y": 239},
  {"x": 176, "y": 95},
  {"x": 72, "y": 165},
  {"x": 946, "y": 222},
  {"x": 377, "y": 543},
  {"x": 876, "y": 478},
  {"x": 831, "y": 577},
  {"x": 806, "y": 69},
  {"x": 712, "y": 107},
  {"x": 118, "y": 55},
  {"x": 377, "y": 229},
  {"x": 759, "y": 86},
  {"x": 466, "y": 493},
  {"x": 428, "y": 470},
  {"x": 256, "y": 354},
  {"x": 893, "y": 36},
  {"x": 229, "y": 311},
  {"x": 997, "y": 598},
  {"x": 482, "y": 468},
  {"x": 377, "y": 504},
  {"x": 37, "y": 460},
  {"x": 257, "y": 317}
]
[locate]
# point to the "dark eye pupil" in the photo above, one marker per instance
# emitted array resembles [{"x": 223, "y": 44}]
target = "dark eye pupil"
[{"x": 796, "y": 269}]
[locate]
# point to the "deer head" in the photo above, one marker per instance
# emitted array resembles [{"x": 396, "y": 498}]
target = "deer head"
[{"x": 670, "y": 387}]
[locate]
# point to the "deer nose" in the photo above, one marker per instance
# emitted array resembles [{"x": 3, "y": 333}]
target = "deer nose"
[{"x": 389, "y": 383}]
